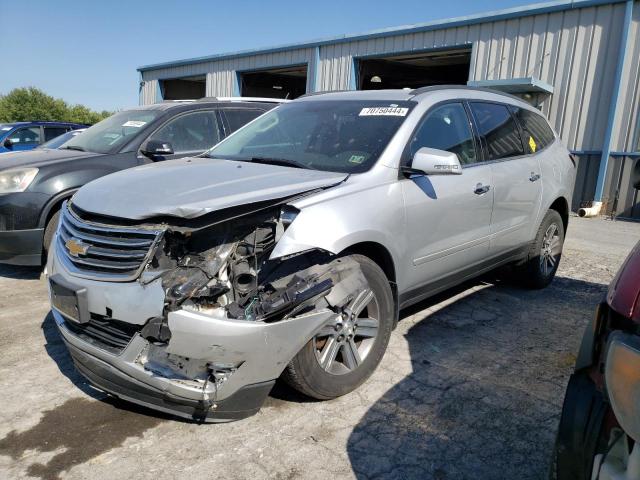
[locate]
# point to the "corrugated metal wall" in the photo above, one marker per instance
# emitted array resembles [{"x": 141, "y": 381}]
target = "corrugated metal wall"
[{"x": 574, "y": 50}]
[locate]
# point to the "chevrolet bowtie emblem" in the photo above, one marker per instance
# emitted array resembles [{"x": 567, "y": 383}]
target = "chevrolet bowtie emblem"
[{"x": 76, "y": 247}]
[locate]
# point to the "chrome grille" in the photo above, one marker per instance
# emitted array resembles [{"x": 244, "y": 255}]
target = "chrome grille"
[{"x": 103, "y": 252}]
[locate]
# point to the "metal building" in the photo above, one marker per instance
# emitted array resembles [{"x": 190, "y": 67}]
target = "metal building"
[{"x": 578, "y": 61}]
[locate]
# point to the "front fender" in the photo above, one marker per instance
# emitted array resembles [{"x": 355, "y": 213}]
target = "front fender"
[{"x": 375, "y": 214}]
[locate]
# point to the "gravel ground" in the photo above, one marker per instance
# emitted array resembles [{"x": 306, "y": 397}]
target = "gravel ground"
[{"x": 471, "y": 387}]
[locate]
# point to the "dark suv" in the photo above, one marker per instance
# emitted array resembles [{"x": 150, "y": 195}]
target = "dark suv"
[{"x": 34, "y": 184}]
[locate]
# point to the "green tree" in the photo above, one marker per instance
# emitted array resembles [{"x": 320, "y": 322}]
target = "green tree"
[{"x": 30, "y": 103}]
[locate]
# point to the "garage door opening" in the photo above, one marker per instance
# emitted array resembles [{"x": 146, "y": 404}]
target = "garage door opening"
[
  {"x": 289, "y": 82},
  {"x": 414, "y": 71},
  {"x": 187, "y": 88}
]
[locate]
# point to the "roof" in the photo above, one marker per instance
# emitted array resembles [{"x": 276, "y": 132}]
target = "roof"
[
  {"x": 516, "y": 12},
  {"x": 169, "y": 104},
  {"x": 407, "y": 94}
]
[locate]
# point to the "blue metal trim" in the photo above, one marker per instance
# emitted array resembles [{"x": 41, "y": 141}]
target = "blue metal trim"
[
  {"x": 159, "y": 97},
  {"x": 353, "y": 75},
  {"x": 611, "y": 154},
  {"x": 236, "y": 84},
  {"x": 613, "y": 107},
  {"x": 520, "y": 84},
  {"x": 492, "y": 16}
]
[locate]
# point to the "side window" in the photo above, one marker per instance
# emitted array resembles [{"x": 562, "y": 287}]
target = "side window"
[
  {"x": 26, "y": 136},
  {"x": 536, "y": 130},
  {"x": 53, "y": 132},
  {"x": 499, "y": 130},
  {"x": 240, "y": 117},
  {"x": 193, "y": 132},
  {"x": 446, "y": 128}
]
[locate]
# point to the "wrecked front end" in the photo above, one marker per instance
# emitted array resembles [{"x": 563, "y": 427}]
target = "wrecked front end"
[{"x": 191, "y": 317}]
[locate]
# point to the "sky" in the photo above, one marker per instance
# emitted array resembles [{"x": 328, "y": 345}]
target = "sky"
[{"x": 87, "y": 51}]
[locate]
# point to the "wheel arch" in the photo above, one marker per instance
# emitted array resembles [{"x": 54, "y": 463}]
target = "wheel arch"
[
  {"x": 54, "y": 205},
  {"x": 379, "y": 254},
  {"x": 561, "y": 205}
]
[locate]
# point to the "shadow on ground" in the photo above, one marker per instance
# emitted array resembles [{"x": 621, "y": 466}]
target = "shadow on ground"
[
  {"x": 486, "y": 388},
  {"x": 18, "y": 272}
]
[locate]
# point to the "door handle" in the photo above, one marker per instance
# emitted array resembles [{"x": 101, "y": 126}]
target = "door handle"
[
  {"x": 481, "y": 189},
  {"x": 534, "y": 176}
]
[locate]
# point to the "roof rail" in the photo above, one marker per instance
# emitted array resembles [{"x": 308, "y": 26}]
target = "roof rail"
[
  {"x": 179, "y": 101},
  {"x": 312, "y": 94},
  {"x": 435, "y": 88},
  {"x": 243, "y": 99}
]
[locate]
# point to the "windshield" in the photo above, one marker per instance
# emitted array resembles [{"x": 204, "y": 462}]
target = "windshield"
[
  {"x": 112, "y": 133},
  {"x": 61, "y": 139},
  {"x": 337, "y": 136}
]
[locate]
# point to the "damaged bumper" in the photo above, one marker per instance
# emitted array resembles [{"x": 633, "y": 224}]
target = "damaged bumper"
[{"x": 212, "y": 369}]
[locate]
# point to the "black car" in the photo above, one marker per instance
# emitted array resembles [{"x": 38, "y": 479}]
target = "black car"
[{"x": 34, "y": 184}]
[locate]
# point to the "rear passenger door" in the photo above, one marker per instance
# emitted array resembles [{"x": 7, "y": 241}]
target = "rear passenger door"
[{"x": 516, "y": 177}]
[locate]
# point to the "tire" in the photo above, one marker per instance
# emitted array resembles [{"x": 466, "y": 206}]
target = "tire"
[
  {"x": 340, "y": 376},
  {"x": 544, "y": 253},
  {"x": 581, "y": 432},
  {"x": 49, "y": 231}
]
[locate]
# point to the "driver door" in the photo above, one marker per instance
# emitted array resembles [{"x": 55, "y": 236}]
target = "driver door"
[
  {"x": 189, "y": 134},
  {"x": 448, "y": 216}
]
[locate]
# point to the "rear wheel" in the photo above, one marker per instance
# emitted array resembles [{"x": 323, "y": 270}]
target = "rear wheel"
[
  {"x": 545, "y": 252},
  {"x": 349, "y": 348}
]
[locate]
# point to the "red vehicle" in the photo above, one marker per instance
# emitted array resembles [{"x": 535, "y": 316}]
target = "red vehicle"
[{"x": 599, "y": 432}]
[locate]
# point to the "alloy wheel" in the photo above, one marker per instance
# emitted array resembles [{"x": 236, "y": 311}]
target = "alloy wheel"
[{"x": 346, "y": 340}]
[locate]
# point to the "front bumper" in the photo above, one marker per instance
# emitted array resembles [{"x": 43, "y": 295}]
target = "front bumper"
[
  {"x": 21, "y": 247},
  {"x": 244, "y": 357}
]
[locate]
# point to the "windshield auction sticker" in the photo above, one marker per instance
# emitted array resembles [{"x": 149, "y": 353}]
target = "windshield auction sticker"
[
  {"x": 134, "y": 123},
  {"x": 383, "y": 111}
]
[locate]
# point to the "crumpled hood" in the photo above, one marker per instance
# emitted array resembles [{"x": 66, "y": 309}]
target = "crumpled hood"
[
  {"x": 191, "y": 187},
  {"x": 39, "y": 157}
]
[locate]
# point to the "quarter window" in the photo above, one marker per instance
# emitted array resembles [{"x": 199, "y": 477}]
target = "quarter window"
[
  {"x": 194, "y": 132},
  {"x": 26, "y": 136},
  {"x": 499, "y": 130},
  {"x": 446, "y": 128},
  {"x": 536, "y": 131}
]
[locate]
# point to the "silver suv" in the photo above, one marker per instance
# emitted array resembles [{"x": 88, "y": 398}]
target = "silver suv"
[{"x": 290, "y": 247}]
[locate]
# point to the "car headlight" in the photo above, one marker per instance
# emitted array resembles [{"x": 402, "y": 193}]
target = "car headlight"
[
  {"x": 622, "y": 378},
  {"x": 16, "y": 180}
]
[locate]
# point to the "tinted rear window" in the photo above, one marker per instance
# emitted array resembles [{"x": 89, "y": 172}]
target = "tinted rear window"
[
  {"x": 499, "y": 130},
  {"x": 536, "y": 130}
]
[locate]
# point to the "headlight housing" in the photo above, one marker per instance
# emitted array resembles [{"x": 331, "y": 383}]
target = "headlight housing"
[
  {"x": 16, "y": 179},
  {"x": 622, "y": 378}
]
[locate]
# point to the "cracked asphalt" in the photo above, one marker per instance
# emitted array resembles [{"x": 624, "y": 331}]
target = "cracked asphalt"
[{"x": 471, "y": 387}]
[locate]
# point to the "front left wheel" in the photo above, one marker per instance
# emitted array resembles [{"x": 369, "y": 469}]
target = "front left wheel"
[{"x": 347, "y": 350}]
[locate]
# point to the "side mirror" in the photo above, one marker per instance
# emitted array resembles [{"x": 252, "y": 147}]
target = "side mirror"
[
  {"x": 635, "y": 175},
  {"x": 431, "y": 161},
  {"x": 155, "y": 148},
  {"x": 8, "y": 144}
]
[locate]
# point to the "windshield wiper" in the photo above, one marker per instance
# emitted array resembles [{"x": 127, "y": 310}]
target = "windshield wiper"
[
  {"x": 73, "y": 147},
  {"x": 280, "y": 161}
]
